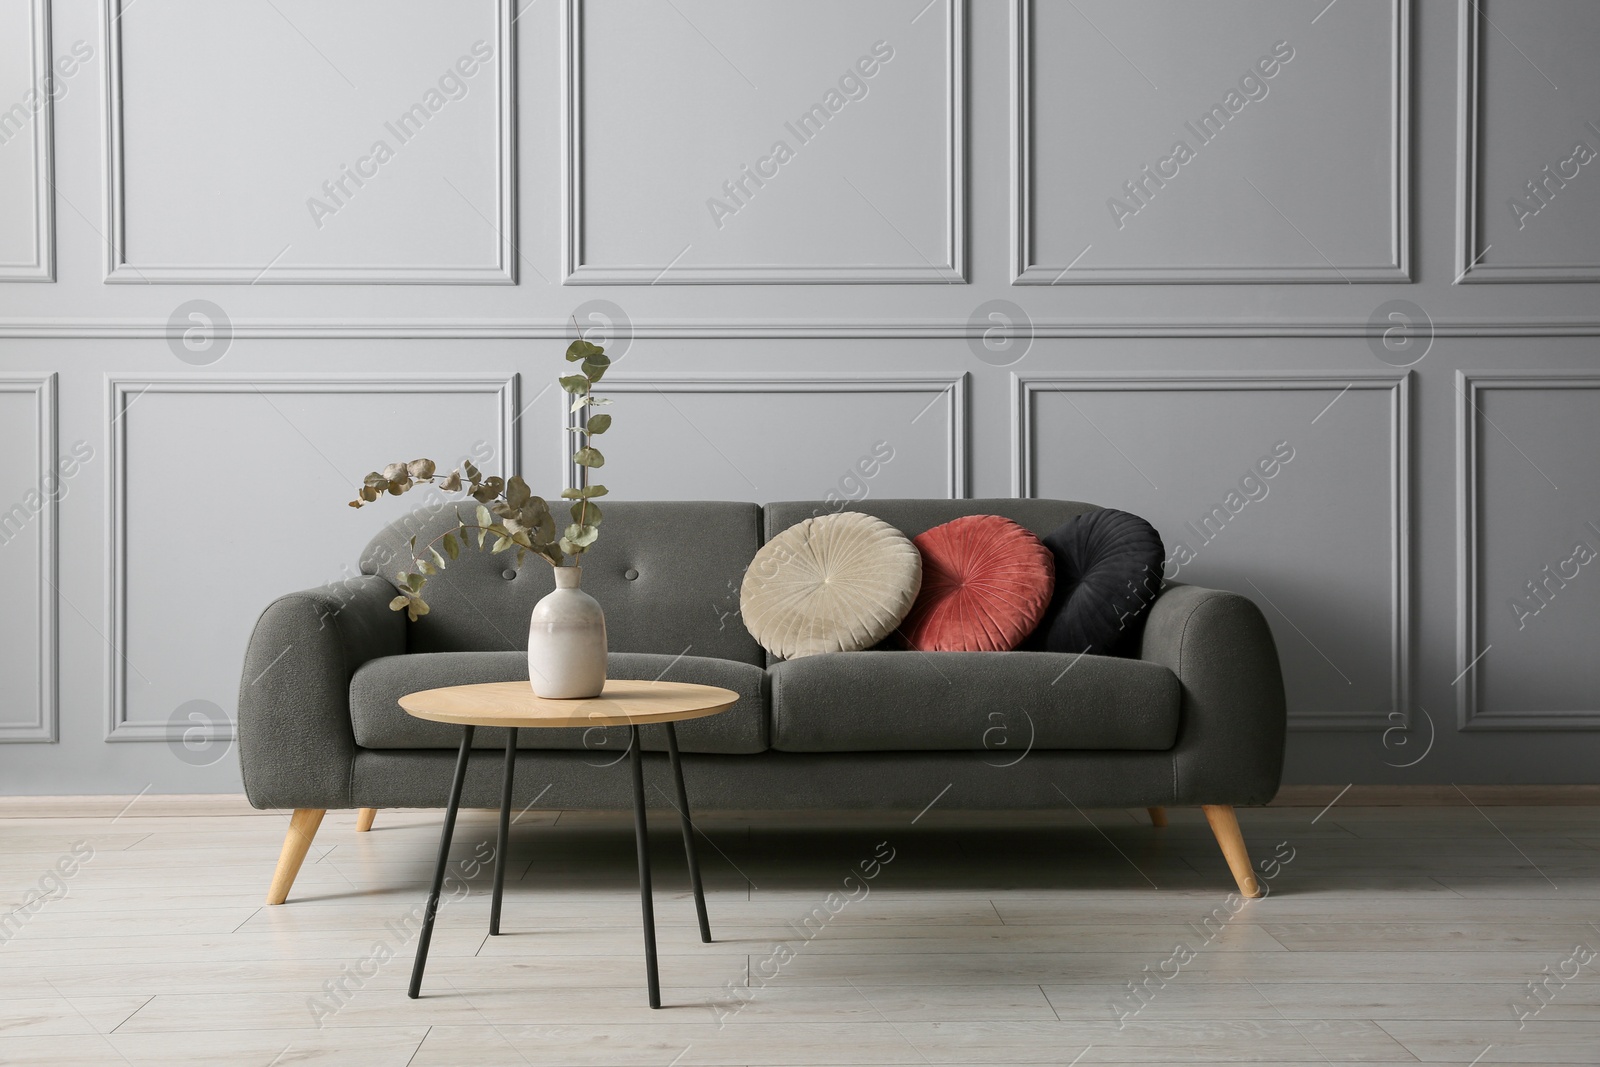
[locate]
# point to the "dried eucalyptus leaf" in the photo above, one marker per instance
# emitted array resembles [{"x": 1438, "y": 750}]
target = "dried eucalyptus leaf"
[{"x": 452, "y": 547}]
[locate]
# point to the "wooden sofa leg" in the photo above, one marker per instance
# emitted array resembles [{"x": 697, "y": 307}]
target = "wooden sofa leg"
[
  {"x": 296, "y": 843},
  {"x": 364, "y": 819},
  {"x": 1225, "y": 825},
  {"x": 1158, "y": 817}
]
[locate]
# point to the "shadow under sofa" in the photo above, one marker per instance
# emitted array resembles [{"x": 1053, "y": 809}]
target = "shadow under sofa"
[{"x": 1197, "y": 719}]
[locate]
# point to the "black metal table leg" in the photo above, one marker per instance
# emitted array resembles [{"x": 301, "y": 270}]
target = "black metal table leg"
[
  {"x": 444, "y": 859},
  {"x": 500, "y": 856},
  {"x": 641, "y": 835},
  {"x": 688, "y": 835}
]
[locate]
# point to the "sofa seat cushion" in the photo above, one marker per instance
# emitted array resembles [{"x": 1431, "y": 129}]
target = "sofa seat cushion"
[
  {"x": 1003, "y": 702},
  {"x": 379, "y": 721}
]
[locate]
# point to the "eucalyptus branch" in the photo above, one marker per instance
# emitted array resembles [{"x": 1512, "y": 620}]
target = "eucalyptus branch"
[{"x": 507, "y": 508}]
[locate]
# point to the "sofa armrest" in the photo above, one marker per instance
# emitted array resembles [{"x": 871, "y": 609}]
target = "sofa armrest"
[
  {"x": 1233, "y": 718},
  {"x": 296, "y": 746}
]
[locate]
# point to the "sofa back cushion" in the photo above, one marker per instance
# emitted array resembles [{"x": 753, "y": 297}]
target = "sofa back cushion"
[
  {"x": 912, "y": 517},
  {"x": 667, "y": 574}
]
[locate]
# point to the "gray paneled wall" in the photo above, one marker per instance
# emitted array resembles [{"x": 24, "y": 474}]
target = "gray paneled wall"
[{"x": 1311, "y": 285}]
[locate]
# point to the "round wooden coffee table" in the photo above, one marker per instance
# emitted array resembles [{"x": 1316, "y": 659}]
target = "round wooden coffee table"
[{"x": 514, "y": 706}]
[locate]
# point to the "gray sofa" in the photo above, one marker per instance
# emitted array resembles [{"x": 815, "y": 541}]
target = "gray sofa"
[{"x": 1197, "y": 719}]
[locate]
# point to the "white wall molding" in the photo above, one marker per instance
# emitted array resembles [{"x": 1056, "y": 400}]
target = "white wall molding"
[
  {"x": 1469, "y": 191},
  {"x": 952, "y": 389},
  {"x": 46, "y": 726},
  {"x": 772, "y": 329},
  {"x": 576, "y": 272},
  {"x": 1025, "y": 388},
  {"x": 42, "y": 268},
  {"x": 1470, "y": 714},
  {"x": 122, "y": 395},
  {"x": 503, "y": 271},
  {"x": 1028, "y": 272}
]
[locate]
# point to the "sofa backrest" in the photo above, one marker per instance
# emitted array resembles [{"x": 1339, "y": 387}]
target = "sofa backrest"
[
  {"x": 666, "y": 573},
  {"x": 912, "y": 517}
]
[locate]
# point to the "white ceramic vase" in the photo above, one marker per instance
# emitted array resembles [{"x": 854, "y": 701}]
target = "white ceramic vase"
[{"x": 567, "y": 641}]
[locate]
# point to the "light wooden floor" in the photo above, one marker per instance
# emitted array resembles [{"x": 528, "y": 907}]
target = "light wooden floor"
[{"x": 1392, "y": 935}]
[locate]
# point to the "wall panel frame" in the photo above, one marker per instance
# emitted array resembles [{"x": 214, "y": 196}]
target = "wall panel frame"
[
  {"x": 503, "y": 271},
  {"x": 42, "y": 268},
  {"x": 1025, "y": 388},
  {"x": 46, "y": 726},
  {"x": 123, "y": 392},
  {"x": 1027, "y": 271},
  {"x": 575, "y": 271},
  {"x": 1470, "y": 712}
]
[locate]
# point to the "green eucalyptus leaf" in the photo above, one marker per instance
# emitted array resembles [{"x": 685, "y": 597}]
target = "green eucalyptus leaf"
[
  {"x": 589, "y": 457},
  {"x": 599, "y": 423},
  {"x": 452, "y": 547},
  {"x": 582, "y": 536},
  {"x": 581, "y": 349},
  {"x": 425, "y": 567},
  {"x": 438, "y": 558},
  {"x": 573, "y": 383},
  {"x": 502, "y": 544},
  {"x": 517, "y": 491},
  {"x": 586, "y": 511},
  {"x": 595, "y": 368}
]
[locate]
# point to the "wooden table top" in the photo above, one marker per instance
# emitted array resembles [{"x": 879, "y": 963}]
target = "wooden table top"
[{"x": 622, "y": 703}]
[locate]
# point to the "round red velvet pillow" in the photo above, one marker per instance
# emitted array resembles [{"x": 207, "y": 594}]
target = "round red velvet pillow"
[{"x": 986, "y": 583}]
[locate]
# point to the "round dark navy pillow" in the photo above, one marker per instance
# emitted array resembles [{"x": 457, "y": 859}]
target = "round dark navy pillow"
[{"x": 1108, "y": 572}]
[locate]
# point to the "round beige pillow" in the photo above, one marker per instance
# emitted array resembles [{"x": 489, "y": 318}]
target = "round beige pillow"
[{"x": 835, "y": 583}]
